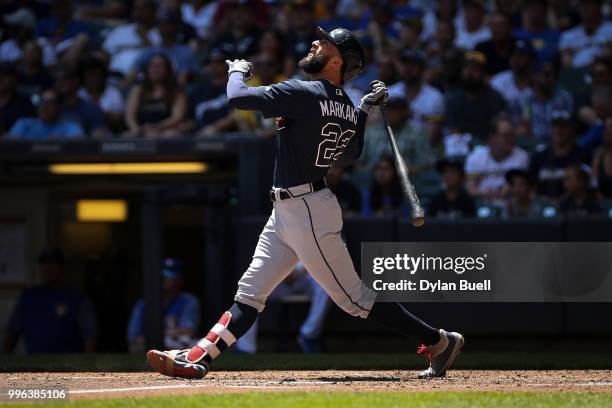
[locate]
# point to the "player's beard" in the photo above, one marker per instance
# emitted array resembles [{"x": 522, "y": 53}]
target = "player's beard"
[{"x": 314, "y": 64}]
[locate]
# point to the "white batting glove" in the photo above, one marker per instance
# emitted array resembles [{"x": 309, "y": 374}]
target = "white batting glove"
[
  {"x": 240, "y": 66},
  {"x": 377, "y": 95}
]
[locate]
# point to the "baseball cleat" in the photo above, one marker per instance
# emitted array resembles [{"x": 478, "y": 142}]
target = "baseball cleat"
[
  {"x": 173, "y": 364},
  {"x": 439, "y": 363}
]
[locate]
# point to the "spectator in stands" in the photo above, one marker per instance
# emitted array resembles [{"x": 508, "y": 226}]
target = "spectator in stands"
[
  {"x": 332, "y": 19},
  {"x": 602, "y": 162},
  {"x": 125, "y": 42},
  {"x": 49, "y": 124},
  {"x": 182, "y": 57},
  {"x": 599, "y": 76},
  {"x": 486, "y": 165},
  {"x": 515, "y": 84},
  {"x": 387, "y": 71},
  {"x": 535, "y": 30},
  {"x": 386, "y": 197},
  {"x": 300, "y": 35},
  {"x": 68, "y": 36},
  {"x": 470, "y": 107},
  {"x": 453, "y": 201},
  {"x": 547, "y": 167},
  {"x": 444, "y": 60},
  {"x": 347, "y": 194},
  {"x": 271, "y": 42},
  {"x": 186, "y": 33},
  {"x": 32, "y": 76},
  {"x": 601, "y": 104},
  {"x": 499, "y": 48},
  {"x": 208, "y": 97},
  {"x": 101, "y": 10},
  {"x": 239, "y": 35},
  {"x": 77, "y": 109},
  {"x": 13, "y": 105},
  {"x": 581, "y": 45},
  {"x": 474, "y": 30},
  {"x": 521, "y": 202},
  {"x": 411, "y": 140},
  {"x": 157, "y": 106},
  {"x": 444, "y": 11},
  {"x": 97, "y": 89},
  {"x": 20, "y": 30},
  {"x": 533, "y": 112},
  {"x": 426, "y": 102},
  {"x": 51, "y": 317},
  {"x": 181, "y": 312},
  {"x": 579, "y": 200},
  {"x": 200, "y": 14}
]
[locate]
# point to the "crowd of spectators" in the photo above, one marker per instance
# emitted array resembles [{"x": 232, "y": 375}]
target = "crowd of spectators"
[{"x": 505, "y": 103}]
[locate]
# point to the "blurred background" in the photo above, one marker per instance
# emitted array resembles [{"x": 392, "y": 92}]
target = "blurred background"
[{"x": 132, "y": 195}]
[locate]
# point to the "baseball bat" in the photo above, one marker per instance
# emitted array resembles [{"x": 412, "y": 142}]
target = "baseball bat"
[{"x": 417, "y": 217}]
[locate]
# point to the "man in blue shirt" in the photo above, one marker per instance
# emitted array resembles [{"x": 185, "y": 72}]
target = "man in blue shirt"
[
  {"x": 50, "y": 317},
  {"x": 77, "y": 109},
  {"x": 181, "y": 312},
  {"x": 48, "y": 124}
]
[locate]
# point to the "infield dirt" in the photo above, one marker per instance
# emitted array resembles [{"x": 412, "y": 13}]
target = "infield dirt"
[{"x": 114, "y": 385}]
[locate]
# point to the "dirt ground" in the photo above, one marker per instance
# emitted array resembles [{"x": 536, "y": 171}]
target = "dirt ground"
[{"x": 114, "y": 385}]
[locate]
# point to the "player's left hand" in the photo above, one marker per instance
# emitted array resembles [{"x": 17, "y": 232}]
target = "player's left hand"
[
  {"x": 377, "y": 95},
  {"x": 243, "y": 66}
]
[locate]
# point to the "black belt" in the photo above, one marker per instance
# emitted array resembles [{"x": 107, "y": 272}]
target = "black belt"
[{"x": 284, "y": 194}]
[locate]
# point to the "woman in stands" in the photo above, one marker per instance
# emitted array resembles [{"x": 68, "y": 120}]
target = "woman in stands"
[{"x": 157, "y": 105}]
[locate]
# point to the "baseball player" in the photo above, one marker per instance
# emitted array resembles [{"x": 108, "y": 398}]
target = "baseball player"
[{"x": 317, "y": 126}]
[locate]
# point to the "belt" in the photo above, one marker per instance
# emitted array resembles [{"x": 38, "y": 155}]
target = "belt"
[{"x": 279, "y": 194}]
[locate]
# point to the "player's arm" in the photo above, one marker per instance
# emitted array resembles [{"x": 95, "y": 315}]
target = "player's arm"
[{"x": 273, "y": 101}]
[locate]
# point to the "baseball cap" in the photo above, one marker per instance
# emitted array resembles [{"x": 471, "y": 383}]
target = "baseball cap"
[
  {"x": 172, "y": 268},
  {"x": 524, "y": 47},
  {"x": 22, "y": 17},
  {"x": 416, "y": 56},
  {"x": 49, "y": 255}
]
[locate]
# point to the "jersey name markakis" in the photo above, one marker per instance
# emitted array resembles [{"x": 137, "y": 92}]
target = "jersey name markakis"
[{"x": 340, "y": 110}]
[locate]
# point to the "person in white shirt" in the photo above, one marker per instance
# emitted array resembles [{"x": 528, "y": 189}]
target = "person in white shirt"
[
  {"x": 581, "y": 45},
  {"x": 487, "y": 165},
  {"x": 514, "y": 83},
  {"x": 426, "y": 103},
  {"x": 200, "y": 14},
  {"x": 20, "y": 27},
  {"x": 474, "y": 30},
  {"x": 126, "y": 42}
]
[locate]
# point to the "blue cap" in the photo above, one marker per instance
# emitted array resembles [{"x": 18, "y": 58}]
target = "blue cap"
[{"x": 172, "y": 268}]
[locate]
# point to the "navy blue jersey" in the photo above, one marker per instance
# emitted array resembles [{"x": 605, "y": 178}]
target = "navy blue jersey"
[{"x": 317, "y": 125}]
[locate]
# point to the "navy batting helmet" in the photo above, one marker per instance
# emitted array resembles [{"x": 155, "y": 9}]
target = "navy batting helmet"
[{"x": 353, "y": 57}]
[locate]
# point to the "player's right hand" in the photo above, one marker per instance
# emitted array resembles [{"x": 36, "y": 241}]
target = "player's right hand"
[
  {"x": 377, "y": 95},
  {"x": 240, "y": 66}
]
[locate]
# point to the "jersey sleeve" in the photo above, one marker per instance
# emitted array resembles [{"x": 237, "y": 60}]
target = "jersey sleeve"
[{"x": 285, "y": 99}]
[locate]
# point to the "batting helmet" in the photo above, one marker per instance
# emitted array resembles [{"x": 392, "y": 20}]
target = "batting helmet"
[{"x": 353, "y": 57}]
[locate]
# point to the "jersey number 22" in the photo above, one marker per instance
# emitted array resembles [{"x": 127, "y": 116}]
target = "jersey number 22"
[{"x": 333, "y": 144}]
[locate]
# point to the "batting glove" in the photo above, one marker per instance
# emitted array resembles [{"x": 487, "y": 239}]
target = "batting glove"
[
  {"x": 240, "y": 66},
  {"x": 377, "y": 95}
]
